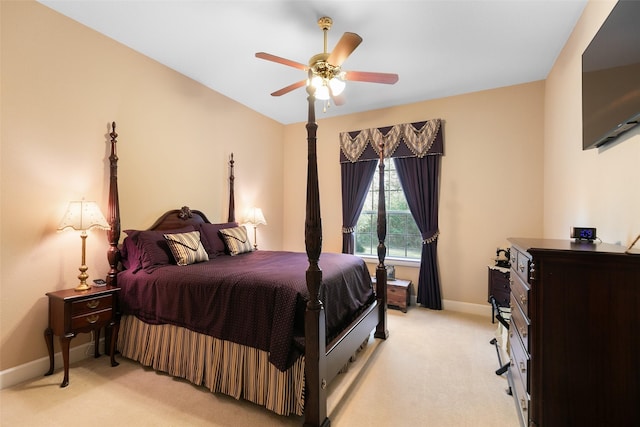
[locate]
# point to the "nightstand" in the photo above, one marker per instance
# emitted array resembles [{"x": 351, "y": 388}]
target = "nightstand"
[
  {"x": 72, "y": 312},
  {"x": 398, "y": 293}
]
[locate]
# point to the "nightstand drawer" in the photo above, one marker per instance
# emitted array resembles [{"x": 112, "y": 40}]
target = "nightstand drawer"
[
  {"x": 92, "y": 319},
  {"x": 91, "y": 305}
]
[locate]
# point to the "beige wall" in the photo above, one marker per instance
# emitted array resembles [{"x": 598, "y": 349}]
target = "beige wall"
[
  {"x": 594, "y": 188},
  {"x": 489, "y": 137},
  {"x": 61, "y": 85}
]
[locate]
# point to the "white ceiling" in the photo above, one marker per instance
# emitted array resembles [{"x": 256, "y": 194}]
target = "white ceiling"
[{"x": 438, "y": 48}]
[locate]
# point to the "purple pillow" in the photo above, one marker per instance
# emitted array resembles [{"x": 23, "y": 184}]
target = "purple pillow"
[
  {"x": 149, "y": 249},
  {"x": 211, "y": 239},
  {"x": 129, "y": 253}
]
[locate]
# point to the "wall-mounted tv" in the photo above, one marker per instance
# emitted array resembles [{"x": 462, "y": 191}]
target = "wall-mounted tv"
[{"x": 611, "y": 77}]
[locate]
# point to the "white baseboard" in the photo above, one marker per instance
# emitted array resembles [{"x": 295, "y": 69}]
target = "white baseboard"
[
  {"x": 37, "y": 368},
  {"x": 461, "y": 307},
  {"x": 466, "y": 307}
]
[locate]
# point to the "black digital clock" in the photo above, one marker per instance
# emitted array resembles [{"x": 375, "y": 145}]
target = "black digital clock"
[{"x": 583, "y": 233}]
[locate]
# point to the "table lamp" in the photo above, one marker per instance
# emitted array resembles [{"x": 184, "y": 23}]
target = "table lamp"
[
  {"x": 255, "y": 217},
  {"x": 83, "y": 216}
]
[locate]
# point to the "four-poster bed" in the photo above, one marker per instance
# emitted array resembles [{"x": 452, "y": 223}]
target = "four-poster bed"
[{"x": 329, "y": 318}]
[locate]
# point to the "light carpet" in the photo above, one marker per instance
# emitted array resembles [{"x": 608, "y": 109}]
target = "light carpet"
[{"x": 436, "y": 369}]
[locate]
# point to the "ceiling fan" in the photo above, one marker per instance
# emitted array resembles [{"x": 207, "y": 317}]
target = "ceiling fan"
[{"x": 325, "y": 68}]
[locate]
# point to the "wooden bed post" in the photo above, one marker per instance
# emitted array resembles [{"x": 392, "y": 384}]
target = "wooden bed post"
[
  {"x": 315, "y": 410},
  {"x": 232, "y": 200},
  {"x": 113, "y": 234},
  {"x": 381, "y": 270}
]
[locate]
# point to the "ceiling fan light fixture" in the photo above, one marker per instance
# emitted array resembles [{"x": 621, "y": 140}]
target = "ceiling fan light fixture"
[
  {"x": 327, "y": 87},
  {"x": 322, "y": 93},
  {"x": 325, "y": 69},
  {"x": 337, "y": 86}
]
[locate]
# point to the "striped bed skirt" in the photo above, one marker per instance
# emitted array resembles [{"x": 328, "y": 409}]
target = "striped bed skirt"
[{"x": 222, "y": 366}]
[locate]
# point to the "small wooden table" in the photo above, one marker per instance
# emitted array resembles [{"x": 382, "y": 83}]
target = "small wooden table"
[
  {"x": 398, "y": 293},
  {"x": 72, "y": 312}
]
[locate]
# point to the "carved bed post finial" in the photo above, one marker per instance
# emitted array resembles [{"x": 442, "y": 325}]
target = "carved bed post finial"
[
  {"x": 113, "y": 235},
  {"x": 185, "y": 213},
  {"x": 381, "y": 270},
  {"x": 232, "y": 203}
]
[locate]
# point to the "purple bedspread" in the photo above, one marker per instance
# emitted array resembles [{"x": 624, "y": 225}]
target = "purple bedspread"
[{"x": 256, "y": 299}]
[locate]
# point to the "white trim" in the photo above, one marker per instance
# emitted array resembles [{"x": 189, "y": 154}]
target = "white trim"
[
  {"x": 461, "y": 307},
  {"x": 372, "y": 259},
  {"x": 467, "y": 307},
  {"x": 37, "y": 368}
]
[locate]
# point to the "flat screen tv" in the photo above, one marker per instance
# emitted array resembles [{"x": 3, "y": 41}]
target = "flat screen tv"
[{"x": 611, "y": 77}]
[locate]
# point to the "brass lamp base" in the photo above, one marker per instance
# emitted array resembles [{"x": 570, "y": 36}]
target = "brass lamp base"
[
  {"x": 83, "y": 276},
  {"x": 82, "y": 287}
]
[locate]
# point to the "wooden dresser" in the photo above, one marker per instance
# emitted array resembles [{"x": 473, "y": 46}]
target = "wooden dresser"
[{"x": 574, "y": 337}]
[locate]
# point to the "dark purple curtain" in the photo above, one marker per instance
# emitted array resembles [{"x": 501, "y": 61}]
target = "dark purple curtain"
[
  {"x": 419, "y": 178},
  {"x": 356, "y": 179}
]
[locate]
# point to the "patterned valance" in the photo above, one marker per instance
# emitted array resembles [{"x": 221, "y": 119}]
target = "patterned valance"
[{"x": 405, "y": 140}]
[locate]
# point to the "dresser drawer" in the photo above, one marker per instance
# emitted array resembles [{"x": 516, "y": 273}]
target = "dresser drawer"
[
  {"x": 519, "y": 364},
  {"x": 519, "y": 323},
  {"x": 522, "y": 400},
  {"x": 520, "y": 292},
  {"x": 522, "y": 266},
  {"x": 91, "y": 305}
]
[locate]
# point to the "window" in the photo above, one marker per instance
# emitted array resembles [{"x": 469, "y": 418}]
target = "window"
[{"x": 403, "y": 237}]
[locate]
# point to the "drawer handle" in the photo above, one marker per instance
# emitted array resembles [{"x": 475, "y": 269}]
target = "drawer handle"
[
  {"x": 523, "y": 404},
  {"x": 93, "y": 303},
  {"x": 523, "y": 367},
  {"x": 523, "y": 299},
  {"x": 532, "y": 270},
  {"x": 521, "y": 267},
  {"x": 93, "y": 319},
  {"x": 523, "y": 332}
]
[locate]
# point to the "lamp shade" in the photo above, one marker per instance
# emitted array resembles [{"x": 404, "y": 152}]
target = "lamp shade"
[
  {"x": 255, "y": 217},
  {"x": 83, "y": 215}
]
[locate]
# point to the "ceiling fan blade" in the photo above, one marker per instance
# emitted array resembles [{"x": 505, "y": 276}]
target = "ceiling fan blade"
[
  {"x": 289, "y": 88},
  {"x": 279, "y": 60},
  {"x": 347, "y": 44},
  {"x": 338, "y": 99},
  {"x": 363, "y": 76}
]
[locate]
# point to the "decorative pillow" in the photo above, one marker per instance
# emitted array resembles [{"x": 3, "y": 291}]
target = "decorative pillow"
[
  {"x": 236, "y": 240},
  {"x": 186, "y": 247},
  {"x": 210, "y": 236},
  {"x": 152, "y": 248}
]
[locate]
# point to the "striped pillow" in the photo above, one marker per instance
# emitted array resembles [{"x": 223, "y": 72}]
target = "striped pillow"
[
  {"x": 236, "y": 240},
  {"x": 186, "y": 247}
]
